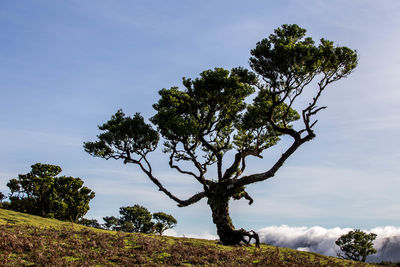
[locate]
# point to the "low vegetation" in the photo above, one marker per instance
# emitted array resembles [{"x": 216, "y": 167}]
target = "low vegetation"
[
  {"x": 27, "y": 240},
  {"x": 138, "y": 219}
]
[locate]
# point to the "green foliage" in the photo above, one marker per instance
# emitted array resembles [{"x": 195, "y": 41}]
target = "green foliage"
[
  {"x": 90, "y": 223},
  {"x": 254, "y": 130},
  {"x": 163, "y": 222},
  {"x": 41, "y": 192},
  {"x": 139, "y": 220},
  {"x": 122, "y": 133},
  {"x": 356, "y": 245},
  {"x": 111, "y": 222},
  {"x": 133, "y": 219},
  {"x": 210, "y": 103},
  {"x": 289, "y": 61}
]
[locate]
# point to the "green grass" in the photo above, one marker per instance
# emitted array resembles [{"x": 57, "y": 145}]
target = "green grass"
[
  {"x": 17, "y": 218},
  {"x": 27, "y": 240}
]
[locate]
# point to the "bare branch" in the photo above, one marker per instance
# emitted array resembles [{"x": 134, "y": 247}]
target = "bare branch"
[
  {"x": 239, "y": 159},
  {"x": 309, "y": 111},
  {"x": 241, "y": 169},
  {"x": 312, "y": 108},
  {"x": 289, "y": 131},
  {"x": 216, "y": 154},
  {"x": 181, "y": 203},
  {"x": 174, "y": 166},
  {"x": 147, "y": 163},
  {"x": 146, "y": 168},
  {"x": 200, "y": 178},
  {"x": 271, "y": 172},
  {"x": 195, "y": 198},
  {"x": 299, "y": 91},
  {"x": 231, "y": 170}
]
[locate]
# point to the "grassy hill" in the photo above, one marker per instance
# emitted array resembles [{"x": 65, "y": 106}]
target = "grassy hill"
[{"x": 27, "y": 240}]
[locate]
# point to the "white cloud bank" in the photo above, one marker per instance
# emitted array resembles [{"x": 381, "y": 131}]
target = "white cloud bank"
[
  {"x": 203, "y": 235},
  {"x": 321, "y": 240}
]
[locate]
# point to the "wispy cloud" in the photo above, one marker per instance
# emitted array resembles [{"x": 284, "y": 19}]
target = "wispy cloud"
[{"x": 22, "y": 138}]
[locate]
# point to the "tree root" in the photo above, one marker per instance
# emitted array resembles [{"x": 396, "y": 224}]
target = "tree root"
[{"x": 250, "y": 235}]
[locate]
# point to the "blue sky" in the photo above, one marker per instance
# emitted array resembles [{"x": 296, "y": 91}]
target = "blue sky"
[{"x": 67, "y": 66}]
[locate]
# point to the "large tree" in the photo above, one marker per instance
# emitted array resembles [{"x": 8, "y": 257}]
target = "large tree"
[
  {"x": 231, "y": 111},
  {"x": 41, "y": 192}
]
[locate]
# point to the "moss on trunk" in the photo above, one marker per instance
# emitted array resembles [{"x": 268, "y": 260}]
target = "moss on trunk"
[{"x": 219, "y": 204}]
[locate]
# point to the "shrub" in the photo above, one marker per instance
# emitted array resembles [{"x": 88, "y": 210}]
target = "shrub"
[
  {"x": 138, "y": 219},
  {"x": 356, "y": 245}
]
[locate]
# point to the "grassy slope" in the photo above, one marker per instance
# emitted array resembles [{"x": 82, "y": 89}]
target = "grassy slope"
[{"x": 27, "y": 240}]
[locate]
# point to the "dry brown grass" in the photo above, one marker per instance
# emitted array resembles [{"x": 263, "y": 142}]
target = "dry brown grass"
[
  {"x": 27, "y": 240},
  {"x": 22, "y": 245}
]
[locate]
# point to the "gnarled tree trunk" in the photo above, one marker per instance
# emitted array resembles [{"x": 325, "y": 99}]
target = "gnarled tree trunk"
[{"x": 219, "y": 204}]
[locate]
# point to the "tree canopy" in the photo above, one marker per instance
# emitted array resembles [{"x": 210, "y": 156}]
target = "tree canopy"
[
  {"x": 41, "y": 192},
  {"x": 231, "y": 110}
]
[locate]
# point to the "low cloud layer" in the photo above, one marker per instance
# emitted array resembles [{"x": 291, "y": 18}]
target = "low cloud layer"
[
  {"x": 321, "y": 240},
  {"x": 204, "y": 235}
]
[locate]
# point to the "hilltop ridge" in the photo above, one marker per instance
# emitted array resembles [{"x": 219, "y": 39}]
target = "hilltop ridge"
[{"x": 28, "y": 240}]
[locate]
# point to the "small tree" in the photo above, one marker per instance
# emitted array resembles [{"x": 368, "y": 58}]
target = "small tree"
[
  {"x": 133, "y": 219},
  {"x": 138, "y": 219},
  {"x": 356, "y": 245},
  {"x": 41, "y": 192},
  {"x": 163, "y": 222}
]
